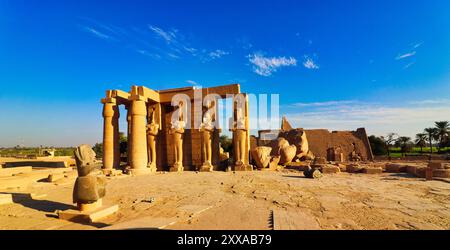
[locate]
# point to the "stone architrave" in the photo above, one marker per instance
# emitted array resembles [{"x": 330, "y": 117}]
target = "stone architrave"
[
  {"x": 152, "y": 132},
  {"x": 177, "y": 131},
  {"x": 206, "y": 130}
]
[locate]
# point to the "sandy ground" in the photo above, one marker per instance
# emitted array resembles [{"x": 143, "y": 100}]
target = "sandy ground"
[{"x": 248, "y": 200}]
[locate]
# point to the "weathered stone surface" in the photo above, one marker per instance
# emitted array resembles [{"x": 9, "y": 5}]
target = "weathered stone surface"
[
  {"x": 443, "y": 173},
  {"x": 312, "y": 173},
  {"x": 330, "y": 169},
  {"x": 6, "y": 199},
  {"x": 55, "y": 177},
  {"x": 277, "y": 145},
  {"x": 274, "y": 161},
  {"x": 395, "y": 168},
  {"x": 436, "y": 165},
  {"x": 373, "y": 170},
  {"x": 354, "y": 168},
  {"x": 87, "y": 216},
  {"x": 262, "y": 157},
  {"x": 14, "y": 171},
  {"x": 319, "y": 160},
  {"x": 287, "y": 154}
]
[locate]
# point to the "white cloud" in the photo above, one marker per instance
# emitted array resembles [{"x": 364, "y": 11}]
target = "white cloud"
[
  {"x": 409, "y": 65},
  {"x": 168, "y": 36},
  {"x": 405, "y": 55},
  {"x": 322, "y": 104},
  {"x": 97, "y": 33},
  {"x": 192, "y": 82},
  {"x": 309, "y": 63},
  {"x": 417, "y": 45},
  {"x": 265, "y": 66},
  {"x": 378, "y": 119},
  {"x": 217, "y": 54}
]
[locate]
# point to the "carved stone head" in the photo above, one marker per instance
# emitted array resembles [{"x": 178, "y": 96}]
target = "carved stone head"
[{"x": 85, "y": 159}]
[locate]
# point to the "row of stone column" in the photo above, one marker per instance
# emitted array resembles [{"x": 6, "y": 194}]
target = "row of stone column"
[{"x": 137, "y": 139}]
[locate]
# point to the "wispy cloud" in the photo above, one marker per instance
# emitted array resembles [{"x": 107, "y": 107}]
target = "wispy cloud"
[
  {"x": 168, "y": 36},
  {"x": 409, "y": 65},
  {"x": 97, "y": 33},
  {"x": 417, "y": 45},
  {"x": 265, "y": 66},
  {"x": 217, "y": 54},
  {"x": 192, "y": 82},
  {"x": 309, "y": 63},
  {"x": 399, "y": 57},
  {"x": 322, "y": 104}
]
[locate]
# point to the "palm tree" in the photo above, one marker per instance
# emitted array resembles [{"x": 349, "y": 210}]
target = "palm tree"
[
  {"x": 404, "y": 142},
  {"x": 431, "y": 132},
  {"x": 391, "y": 137},
  {"x": 442, "y": 132},
  {"x": 420, "y": 141}
]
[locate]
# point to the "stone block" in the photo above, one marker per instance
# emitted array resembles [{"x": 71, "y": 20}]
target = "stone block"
[
  {"x": 354, "y": 168},
  {"x": 301, "y": 166},
  {"x": 411, "y": 170},
  {"x": 395, "y": 168},
  {"x": 6, "y": 199},
  {"x": 331, "y": 169},
  {"x": 89, "y": 216},
  {"x": 436, "y": 165},
  {"x": 54, "y": 177},
  {"x": 442, "y": 173},
  {"x": 373, "y": 170},
  {"x": 421, "y": 172}
]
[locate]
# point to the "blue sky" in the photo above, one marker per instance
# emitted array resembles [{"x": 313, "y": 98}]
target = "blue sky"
[{"x": 384, "y": 65}]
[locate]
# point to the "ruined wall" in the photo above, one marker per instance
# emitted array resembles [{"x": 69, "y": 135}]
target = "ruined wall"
[{"x": 320, "y": 140}]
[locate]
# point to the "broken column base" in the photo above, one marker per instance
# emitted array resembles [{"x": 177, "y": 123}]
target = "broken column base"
[
  {"x": 243, "y": 167},
  {"x": 139, "y": 171},
  {"x": 206, "y": 167},
  {"x": 89, "y": 213},
  {"x": 176, "y": 168}
]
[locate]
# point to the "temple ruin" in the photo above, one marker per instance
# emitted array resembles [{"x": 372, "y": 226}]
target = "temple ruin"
[{"x": 157, "y": 142}]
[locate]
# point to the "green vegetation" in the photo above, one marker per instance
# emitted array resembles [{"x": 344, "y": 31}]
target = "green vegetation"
[
  {"x": 433, "y": 140},
  {"x": 226, "y": 143},
  {"x": 33, "y": 151}
]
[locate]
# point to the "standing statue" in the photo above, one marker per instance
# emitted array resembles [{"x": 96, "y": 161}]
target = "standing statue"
[
  {"x": 207, "y": 129},
  {"x": 177, "y": 131},
  {"x": 152, "y": 131},
  {"x": 89, "y": 187},
  {"x": 239, "y": 129}
]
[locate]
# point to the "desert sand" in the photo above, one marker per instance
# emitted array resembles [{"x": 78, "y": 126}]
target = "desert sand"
[{"x": 244, "y": 200}]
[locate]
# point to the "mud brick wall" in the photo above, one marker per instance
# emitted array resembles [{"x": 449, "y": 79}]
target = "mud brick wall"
[{"x": 320, "y": 140}]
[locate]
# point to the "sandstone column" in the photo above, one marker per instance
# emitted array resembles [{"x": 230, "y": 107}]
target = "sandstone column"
[
  {"x": 111, "y": 149},
  {"x": 138, "y": 150},
  {"x": 128, "y": 108}
]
